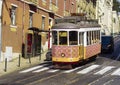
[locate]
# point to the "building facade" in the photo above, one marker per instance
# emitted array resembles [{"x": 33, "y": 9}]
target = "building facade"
[
  {"x": 103, "y": 11},
  {"x": 108, "y": 18},
  {"x": 115, "y": 23},
  {"x": 26, "y": 25},
  {"x": 104, "y": 15},
  {"x": 88, "y": 7}
]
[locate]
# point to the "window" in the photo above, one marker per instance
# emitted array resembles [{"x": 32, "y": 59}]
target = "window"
[
  {"x": 43, "y": 23},
  {"x": 50, "y": 2},
  {"x": 13, "y": 15},
  {"x": 50, "y": 6},
  {"x": 62, "y": 38},
  {"x": 30, "y": 19},
  {"x": 72, "y": 7},
  {"x": 73, "y": 38},
  {"x": 78, "y": 9},
  {"x": 81, "y": 38},
  {"x": 88, "y": 38},
  {"x": 50, "y": 23},
  {"x": 54, "y": 39},
  {"x": 57, "y": 3},
  {"x": 98, "y": 36},
  {"x": 93, "y": 37},
  {"x": 114, "y": 20},
  {"x": 64, "y": 6},
  {"x": 95, "y": 34}
]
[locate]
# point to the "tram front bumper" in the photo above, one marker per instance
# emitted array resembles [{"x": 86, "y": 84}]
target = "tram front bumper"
[{"x": 68, "y": 60}]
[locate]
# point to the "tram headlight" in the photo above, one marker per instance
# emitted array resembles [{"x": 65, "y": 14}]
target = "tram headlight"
[{"x": 62, "y": 54}]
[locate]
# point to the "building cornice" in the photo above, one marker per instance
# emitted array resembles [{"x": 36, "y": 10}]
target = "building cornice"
[{"x": 42, "y": 8}]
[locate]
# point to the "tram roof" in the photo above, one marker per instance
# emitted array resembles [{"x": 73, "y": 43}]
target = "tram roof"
[
  {"x": 65, "y": 26},
  {"x": 82, "y": 24},
  {"x": 70, "y": 19}
]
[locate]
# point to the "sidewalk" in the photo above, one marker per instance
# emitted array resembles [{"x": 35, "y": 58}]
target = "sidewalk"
[{"x": 24, "y": 63}]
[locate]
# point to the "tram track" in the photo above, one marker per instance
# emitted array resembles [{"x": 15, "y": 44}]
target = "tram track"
[
  {"x": 93, "y": 79},
  {"x": 109, "y": 64},
  {"x": 44, "y": 79}
]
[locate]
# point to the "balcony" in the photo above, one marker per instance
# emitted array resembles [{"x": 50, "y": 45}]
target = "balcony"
[
  {"x": 33, "y": 2},
  {"x": 53, "y": 8}
]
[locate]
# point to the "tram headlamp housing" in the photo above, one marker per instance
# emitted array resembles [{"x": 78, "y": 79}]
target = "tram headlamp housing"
[{"x": 62, "y": 54}]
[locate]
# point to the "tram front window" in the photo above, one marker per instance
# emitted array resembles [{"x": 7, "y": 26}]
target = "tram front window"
[
  {"x": 73, "y": 38},
  {"x": 54, "y": 34},
  {"x": 62, "y": 38}
]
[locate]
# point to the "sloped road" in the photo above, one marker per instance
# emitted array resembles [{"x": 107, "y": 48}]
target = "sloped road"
[{"x": 102, "y": 71}]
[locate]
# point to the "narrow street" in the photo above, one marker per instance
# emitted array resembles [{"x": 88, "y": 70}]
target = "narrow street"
[
  {"x": 105, "y": 70},
  {"x": 102, "y": 71},
  {"x": 36, "y": 35}
]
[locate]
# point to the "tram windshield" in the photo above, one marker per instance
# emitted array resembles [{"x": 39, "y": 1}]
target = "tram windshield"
[
  {"x": 62, "y": 38},
  {"x": 73, "y": 38}
]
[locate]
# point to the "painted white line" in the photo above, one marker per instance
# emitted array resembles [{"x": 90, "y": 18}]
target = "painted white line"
[
  {"x": 52, "y": 71},
  {"x": 101, "y": 72},
  {"x": 31, "y": 69},
  {"x": 116, "y": 72},
  {"x": 40, "y": 70},
  {"x": 69, "y": 71},
  {"x": 86, "y": 70}
]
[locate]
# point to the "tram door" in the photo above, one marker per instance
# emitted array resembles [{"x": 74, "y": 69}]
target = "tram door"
[{"x": 81, "y": 45}]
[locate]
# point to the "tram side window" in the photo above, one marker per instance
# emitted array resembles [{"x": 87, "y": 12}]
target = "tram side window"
[
  {"x": 92, "y": 32},
  {"x": 88, "y": 38},
  {"x": 95, "y": 34},
  {"x": 98, "y": 36},
  {"x": 54, "y": 40},
  {"x": 81, "y": 38},
  {"x": 73, "y": 38},
  {"x": 62, "y": 38},
  {"x": 93, "y": 37}
]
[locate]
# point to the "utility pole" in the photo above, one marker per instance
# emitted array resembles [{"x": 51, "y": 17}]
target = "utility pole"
[{"x": 1, "y": 7}]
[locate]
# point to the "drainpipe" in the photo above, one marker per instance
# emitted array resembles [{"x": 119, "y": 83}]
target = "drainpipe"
[{"x": 1, "y": 7}]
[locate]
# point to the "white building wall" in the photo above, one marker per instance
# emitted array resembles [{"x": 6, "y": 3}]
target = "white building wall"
[
  {"x": 104, "y": 15},
  {"x": 115, "y": 23}
]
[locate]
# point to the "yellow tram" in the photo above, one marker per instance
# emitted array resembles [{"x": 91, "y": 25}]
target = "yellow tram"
[{"x": 74, "y": 40}]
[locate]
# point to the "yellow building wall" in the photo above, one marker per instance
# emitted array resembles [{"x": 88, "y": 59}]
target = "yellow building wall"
[
  {"x": 14, "y": 36},
  {"x": 11, "y": 36}
]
